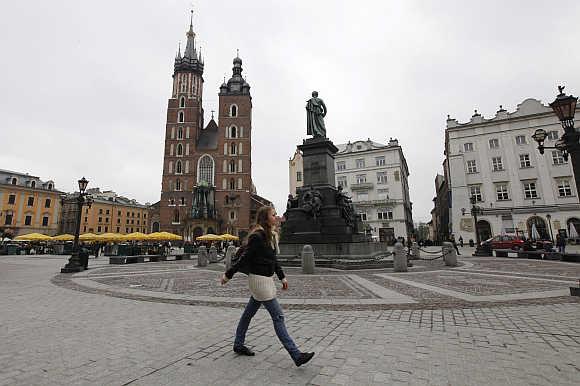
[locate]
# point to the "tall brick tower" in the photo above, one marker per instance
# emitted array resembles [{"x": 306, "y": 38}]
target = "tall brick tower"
[
  {"x": 183, "y": 128},
  {"x": 235, "y": 190}
]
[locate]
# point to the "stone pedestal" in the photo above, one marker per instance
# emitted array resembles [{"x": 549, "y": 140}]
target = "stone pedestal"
[
  {"x": 400, "y": 258},
  {"x": 307, "y": 260},
  {"x": 213, "y": 254},
  {"x": 415, "y": 252},
  {"x": 230, "y": 252},
  {"x": 449, "y": 254},
  {"x": 318, "y": 161},
  {"x": 202, "y": 257}
]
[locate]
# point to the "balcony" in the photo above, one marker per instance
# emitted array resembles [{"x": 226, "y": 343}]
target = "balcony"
[
  {"x": 362, "y": 186},
  {"x": 375, "y": 202}
]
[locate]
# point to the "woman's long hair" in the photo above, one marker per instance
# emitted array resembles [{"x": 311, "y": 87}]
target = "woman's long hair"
[{"x": 262, "y": 220}]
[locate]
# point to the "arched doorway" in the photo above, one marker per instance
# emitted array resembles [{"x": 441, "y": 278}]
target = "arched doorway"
[
  {"x": 197, "y": 231},
  {"x": 155, "y": 227},
  {"x": 540, "y": 226},
  {"x": 484, "y": 230},
  {"x": 575, "y": 223}
]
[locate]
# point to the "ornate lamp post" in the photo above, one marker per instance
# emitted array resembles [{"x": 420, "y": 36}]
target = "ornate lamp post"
[
  {"x": 475, "y": 211},
  {"x": 74, "y": 263},
  {"x": 564, "y": 107}
]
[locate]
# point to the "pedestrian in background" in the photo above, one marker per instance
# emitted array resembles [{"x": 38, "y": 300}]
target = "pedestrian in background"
[
  {"x": 561, "y": 243},
  {"x": 260, "y": 261}
]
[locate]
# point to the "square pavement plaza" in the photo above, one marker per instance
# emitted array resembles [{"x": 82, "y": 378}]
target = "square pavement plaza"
[{"x": 489, "y": 321}]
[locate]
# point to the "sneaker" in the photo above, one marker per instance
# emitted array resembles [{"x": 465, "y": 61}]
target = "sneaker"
[
  {"x": 244, "y": 351},
  {"x": 304, "y": 358}
]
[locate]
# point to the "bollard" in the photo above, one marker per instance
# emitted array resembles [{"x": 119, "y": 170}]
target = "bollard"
[
  {"x": 449, "y": 254},
  {"x": 202, "y": 257},
  {"x": 308, "y": 263},
  {"x": 213, "y": 254},
  {"x": 400, "y": 258},
  {"x": 230, "y": 252},
  {"x": 415, "y": 252}
]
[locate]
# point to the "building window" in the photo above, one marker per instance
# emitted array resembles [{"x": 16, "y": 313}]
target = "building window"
[
  {"x": 341, "y": 165},
  {"x": 383, "y": 194},
  {"x": 180, "y": 133},
  {"x": 299, "y": 176},
  {"x": 45, "y": 221},
  {"x": 564, "y": 188},
  {"x": 341, "y": 181},
  {"x": 181, "y": 118},
  {"x": 100, "y": 219},
  {"x": 521, "y": 139},
  {"x": 362, "y": 216},
  {"x": 475, "y": 191},
  {"x": 468, "y": 146},
  {"x": 86, "y": 219},
  {"x": 530, "y": 190},
  {"x": 360, "y": 163},
  {"x": 363, "y": 195},
  {"x": 171, "y": 202},
  {"x": 233, "y": 111},
  {"x": 182, "y": 203},
  {"x": 14, "y": 181},
  {"x": 118, "y": 213},
  {"x": 471, "y": 166},
  {"x": 178, "y": 167},
  {"x": 552, "y": 135},
  {"x": 233, "y": 132},
  {"x": 361, "y": 178},
  {"x": 380, "y": 161},
  {"x": 205, "y": 166},
  {"x": 33, "y": 184},
  {"x": 502, "y": 192},
  {"x": 106, "y": 229},
  {"x": 497, "y": 164},
  {"x": 493, "y": 143},
  {"x": 30, "y": 201},
  {"x": 8, "y": 219},
  {"x": 232, "y": 215},
  {"x": 384, "y": 214},
  {"x": 178, "y": 184},
  {"x": 49, "y": 186},
  {"x": 232, "y": 167},
  {"x": 381, "y": 177},
  {"x": 11, "y": 199},
  {"x": 179, "y": 149},
  {"x": 176, "y": 216},
  {"x": 107, "y": 211},
  {"x": 557, "y": 157},
  {"x": 107, "y": 220},
  {"x": 99, "y": 228},
  {"x": 27, "y": 220},
  {"x": 233, "y": 148},
  {"x": 118, "y": 229},
  {"x": 525, "y": 161},
  {"x": 118, "y": 221},
  {"x": 182, "y": 102},
  {"x": 232, "y": 184}
]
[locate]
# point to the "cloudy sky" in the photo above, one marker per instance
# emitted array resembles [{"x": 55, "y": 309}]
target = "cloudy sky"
[{"x": 84, "y": 85}]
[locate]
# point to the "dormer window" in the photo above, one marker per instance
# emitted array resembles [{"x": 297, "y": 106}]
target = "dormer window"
[
  {"x": 33, "y": 184},
  {"x": 49, "y": 186},
  {"x": 14, "y": 181},
  {"x": 233, "y": 111},
  {"x": 182, "y": 102}
]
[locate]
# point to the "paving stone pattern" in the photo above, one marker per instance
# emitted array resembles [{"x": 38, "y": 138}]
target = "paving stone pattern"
[{"x": 53, "y": 335}]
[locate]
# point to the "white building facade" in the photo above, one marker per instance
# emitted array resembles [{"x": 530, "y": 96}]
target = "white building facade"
[
  {"x": 496, "y": 161},
  {"x": 376, "y": 177}
]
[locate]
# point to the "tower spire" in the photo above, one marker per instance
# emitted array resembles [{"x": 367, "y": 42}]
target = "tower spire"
[{"x": 190, "y": 47}]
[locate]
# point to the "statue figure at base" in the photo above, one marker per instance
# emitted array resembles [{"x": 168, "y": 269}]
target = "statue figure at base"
[
  {"x": 344, "y": 202},
  {"x": 315, "y": 113}
]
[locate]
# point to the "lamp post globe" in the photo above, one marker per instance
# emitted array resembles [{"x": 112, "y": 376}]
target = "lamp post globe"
[
  {"x": 565, "y": 108},
  {"x": 83, "y": 182}
]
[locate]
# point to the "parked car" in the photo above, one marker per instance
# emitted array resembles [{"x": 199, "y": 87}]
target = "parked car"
[{"x": 516, "y": 243}]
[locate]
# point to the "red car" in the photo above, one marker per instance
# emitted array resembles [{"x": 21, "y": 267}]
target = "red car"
[{"x": 504, "y": 242}]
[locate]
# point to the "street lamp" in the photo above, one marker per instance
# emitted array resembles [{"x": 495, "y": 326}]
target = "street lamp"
[
  {"x": 475, "y": 211},
  {"x": 74, "y": 263},
  {"x": 564, "y": 107}
]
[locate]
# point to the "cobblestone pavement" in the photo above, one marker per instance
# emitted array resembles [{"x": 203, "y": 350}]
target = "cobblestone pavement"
[{"x": 95, "y": 330}]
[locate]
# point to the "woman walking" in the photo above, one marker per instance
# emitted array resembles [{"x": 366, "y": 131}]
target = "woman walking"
[{"x": 259, "y": 259}]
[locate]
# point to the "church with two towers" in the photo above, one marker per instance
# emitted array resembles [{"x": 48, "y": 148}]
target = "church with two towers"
[{"x": 207, "y": 185}]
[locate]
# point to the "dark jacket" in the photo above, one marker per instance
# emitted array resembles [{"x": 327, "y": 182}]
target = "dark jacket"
[{"x": 259, "y": 258}]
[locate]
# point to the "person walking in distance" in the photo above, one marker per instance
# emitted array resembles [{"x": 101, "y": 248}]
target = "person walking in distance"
[
  {"x": 259, "y": 259},
  {"x": 455, "y": 244}
]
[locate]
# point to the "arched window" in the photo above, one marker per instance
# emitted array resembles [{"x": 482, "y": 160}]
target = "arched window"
[
  {"x": 178, "y": 184},
  {"x": 181, "y": 117},
  {"x": 233, "y": 149},
  {"x": 233, "y": 111},
  {"x": 179, "y": 149},
  {"x": 233, "y": 132},
  {"x": 155, "y": 227},
  {"x": 232, "y": 185},
  {"x": 14, "y": 181},
  {"x": 176, "y": 215},
  {"x": 49, "y": 186},
  {"x": 178, "y": 167},
  {"x": 180, "y": 133},
  {"x": 232, "y": 168},
  {"x": 33, "y": 184},
  {"x": 182, "y": 102},
  {"x": 205, "y": 170}
]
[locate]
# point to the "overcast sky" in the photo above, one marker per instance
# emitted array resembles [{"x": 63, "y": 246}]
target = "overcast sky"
[{"x": 84, "y": 85}]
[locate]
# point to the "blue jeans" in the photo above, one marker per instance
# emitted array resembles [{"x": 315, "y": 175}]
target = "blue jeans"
[{"x": 277, "y": 315}]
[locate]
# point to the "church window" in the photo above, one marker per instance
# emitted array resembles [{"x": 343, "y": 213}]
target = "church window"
[
  {"x": 232, "y": 184},
  {"x": 181, "y": 117},
  {"x": 182, "y": 102},
  {"x": 233, "y": 111},
  {"x": 232, "y": 168},
  {"x": 239, "y": 183},
  {"x": 233, "y": 132},
  {"x": 179, "y": 149},
  {"x": 232, "y": 215},
  {"x": 176, "y": 216},
  {"x": 178, "y": 167},
  {"x": 180, "y": 133},
  {"x": 233, "y": 148},
  {"x": 205, "y": 169},
  {"x": 178, "y": 184}
]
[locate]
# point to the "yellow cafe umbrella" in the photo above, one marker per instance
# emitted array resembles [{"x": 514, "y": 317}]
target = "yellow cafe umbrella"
[
  {"x": 33, "y": 237},
  {"x": 64, "y": 237},
  {"x": 109, "y": 237},
  {"x": 135, "y": 236},
  {"x": 159, "y": 236},
  {"x": 88, "y": 237},
  {"x": 176, "y": 237},
  {"x": 209, "y": 237},
  {"x": 227, "y": 236}
]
